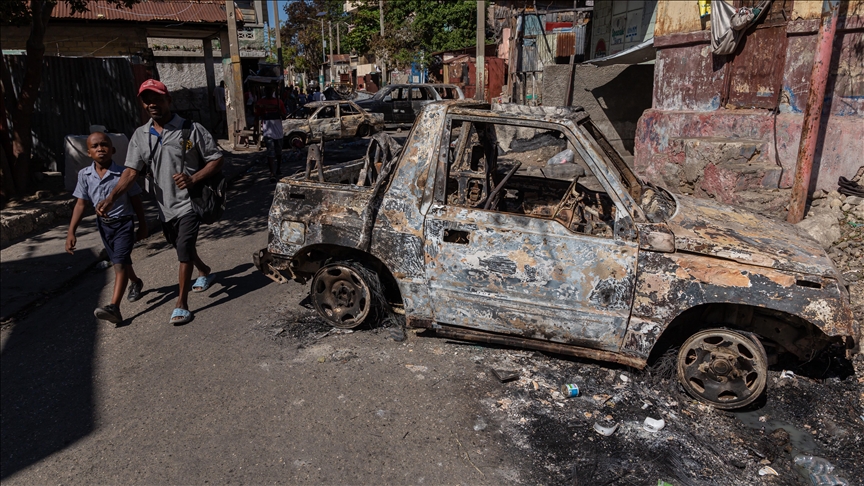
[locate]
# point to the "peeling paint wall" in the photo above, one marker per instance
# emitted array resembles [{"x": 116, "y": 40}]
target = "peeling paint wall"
[{"x": 689, "y": 87}]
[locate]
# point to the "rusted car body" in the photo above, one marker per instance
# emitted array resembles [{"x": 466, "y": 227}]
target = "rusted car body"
[
  {"x": 329, "y": 120},
  {"x": 612, "y": 273}
]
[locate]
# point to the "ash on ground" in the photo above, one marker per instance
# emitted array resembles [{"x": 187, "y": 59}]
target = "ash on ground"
[{"x": 699, "y": 444}]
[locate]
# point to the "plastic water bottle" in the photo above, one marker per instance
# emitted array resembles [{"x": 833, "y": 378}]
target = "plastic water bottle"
[{"x": 816, "y": 465}]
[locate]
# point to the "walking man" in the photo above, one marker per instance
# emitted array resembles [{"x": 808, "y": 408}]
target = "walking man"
[
  {"x": 271, "y": 111},
  {"x": 160, "y": 145}
]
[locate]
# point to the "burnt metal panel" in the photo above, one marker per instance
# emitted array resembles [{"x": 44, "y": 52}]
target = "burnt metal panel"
[{"x": 78, "y": 92}]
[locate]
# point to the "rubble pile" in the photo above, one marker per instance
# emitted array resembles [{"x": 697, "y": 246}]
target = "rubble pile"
[{"x": 837, "y": 222}]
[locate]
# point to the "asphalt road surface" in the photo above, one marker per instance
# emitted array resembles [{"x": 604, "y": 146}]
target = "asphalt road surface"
[{"x": 223, "y": 399}]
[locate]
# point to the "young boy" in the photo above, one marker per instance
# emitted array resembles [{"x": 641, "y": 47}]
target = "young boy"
[{"x": 95, "y": 183}]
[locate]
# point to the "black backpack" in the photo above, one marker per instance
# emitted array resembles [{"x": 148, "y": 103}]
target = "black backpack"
[{"x": 208, "y": 196}]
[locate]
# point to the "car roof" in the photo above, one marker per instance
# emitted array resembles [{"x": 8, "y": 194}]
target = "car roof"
[{"x": 316, "y": 104}]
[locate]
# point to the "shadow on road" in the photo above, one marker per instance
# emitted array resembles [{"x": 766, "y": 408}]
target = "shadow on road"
[
  {"x": 235, "y": 283},
  {"x": 46, "y": 368}
]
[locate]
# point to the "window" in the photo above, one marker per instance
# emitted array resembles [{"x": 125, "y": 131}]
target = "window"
[
  {"x": 421, "y": 94},
  {"x": 327, "y": 112},
  {"x": 347, "y": 109},
  {"x": 525, "y": 170}
]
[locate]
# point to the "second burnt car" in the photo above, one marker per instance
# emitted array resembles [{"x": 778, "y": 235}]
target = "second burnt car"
[
  {"x": 329, "y": 120},
  {"x": 524, "y": 227},
  {"x": 401, "y": 103}
]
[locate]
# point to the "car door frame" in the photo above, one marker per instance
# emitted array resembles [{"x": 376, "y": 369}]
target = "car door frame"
[
  {"x": 345, "y": 125},
  {"x": 508, "y": 303}
]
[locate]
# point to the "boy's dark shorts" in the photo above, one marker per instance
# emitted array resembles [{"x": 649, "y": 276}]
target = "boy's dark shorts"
[
  {"x": 182, "y": 233},
  {"x": 118, "y": 236},
  {"x": 274, "y": 147}
]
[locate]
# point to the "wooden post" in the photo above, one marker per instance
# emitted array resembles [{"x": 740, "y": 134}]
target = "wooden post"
[{"x": 236, "y": 105}]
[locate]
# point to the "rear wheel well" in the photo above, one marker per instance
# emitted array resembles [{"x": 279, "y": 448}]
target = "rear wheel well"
[
  {"x": 781, "y": 333},
  {"x": 306, "y": 262}
]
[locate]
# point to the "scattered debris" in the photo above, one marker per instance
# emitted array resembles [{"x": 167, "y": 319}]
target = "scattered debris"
[
  {"x": 504, "y": 376},
  {"x": 768, "y": 471},
  {"x": 653, "y": 425},
  {"x": 787, "y": 374},
  {"x": 605, "y": 431},
  {"x": 570, "y": 390}
]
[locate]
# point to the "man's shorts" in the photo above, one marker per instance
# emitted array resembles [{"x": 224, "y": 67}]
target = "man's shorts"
[
  {"x": 118, "y": 236},
  {"x": 274, "y": 147},
  {"x": 182, "y": 233}
]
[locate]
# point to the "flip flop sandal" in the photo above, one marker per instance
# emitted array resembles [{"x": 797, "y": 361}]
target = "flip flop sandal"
[
  {"x": 203, "y": 283},
  {"x": 180, "y": 316}
]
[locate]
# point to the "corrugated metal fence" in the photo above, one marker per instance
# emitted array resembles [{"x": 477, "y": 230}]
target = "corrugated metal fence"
[{"x": 78, "y": 92}]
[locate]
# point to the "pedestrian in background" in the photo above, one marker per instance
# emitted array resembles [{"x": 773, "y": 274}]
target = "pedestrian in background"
[
  {"x": 177, "y": 164},
  {"x": 116, "y": 227},
  {"x": 222, "y": 122},
  {"x": 271, "y": 111}
]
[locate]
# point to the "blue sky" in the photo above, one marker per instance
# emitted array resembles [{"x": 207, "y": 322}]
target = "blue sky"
[{"x": 281, "y": 4}]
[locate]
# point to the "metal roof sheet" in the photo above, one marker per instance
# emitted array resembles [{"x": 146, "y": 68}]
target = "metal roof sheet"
[{"x": 197, "y": 11}]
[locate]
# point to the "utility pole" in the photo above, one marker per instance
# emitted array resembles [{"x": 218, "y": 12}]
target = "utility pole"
[
  {"x": 323, "y": 59},
  {"x": 235, "y": 102},
  {"x": 480, "y": 70},
  {"x": 338, "y": 42},
  {"x": 382, "y": 62},
  {"x": 278, "y": 38},
  {"x": 332, "y": 71}
]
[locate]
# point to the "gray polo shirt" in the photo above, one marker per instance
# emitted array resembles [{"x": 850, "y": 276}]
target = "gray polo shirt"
[{"x": 163, "y": 152}]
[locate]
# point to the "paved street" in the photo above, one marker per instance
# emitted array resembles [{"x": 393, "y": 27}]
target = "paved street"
[{"x": 220, "y": 400}]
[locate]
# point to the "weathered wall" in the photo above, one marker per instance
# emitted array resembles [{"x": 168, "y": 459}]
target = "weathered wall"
[
  {"x": 99, "y": 40},
  {"x": 676, "y": 16},
  {"x": 661, "y": 135},
  {"x": 186, "y": 79},
  {"x": 688, "y": 89},
  {"x": 615, "y": 96}
]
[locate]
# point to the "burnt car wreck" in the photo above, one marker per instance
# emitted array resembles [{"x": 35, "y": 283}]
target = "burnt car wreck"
[{"x": 524, "y": 227}]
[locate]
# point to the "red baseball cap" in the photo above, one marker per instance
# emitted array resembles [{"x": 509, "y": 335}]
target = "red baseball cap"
[{"x": 153, "y": 85}]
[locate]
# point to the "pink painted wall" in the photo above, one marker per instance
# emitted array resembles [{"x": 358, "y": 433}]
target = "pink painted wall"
[{"x": 687, "y": 90}]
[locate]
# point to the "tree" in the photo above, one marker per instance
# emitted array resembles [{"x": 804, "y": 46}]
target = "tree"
[
  {"x": 413, "y": 28},
  {"x": 18, "y": 107},
  {"x": 301, "y": 32}
]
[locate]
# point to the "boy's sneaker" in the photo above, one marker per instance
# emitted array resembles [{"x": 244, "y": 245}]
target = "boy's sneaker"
[
  {"x": 110, "y": 313},
  {"x": 135, "y": 291}
]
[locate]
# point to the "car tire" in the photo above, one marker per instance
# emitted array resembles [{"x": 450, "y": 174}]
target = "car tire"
[
  {"x": 363, "y": 131},
  {"x": 724, "y": 368},
  {"x": 296, "y": 141},
  {"x": 346, "y": 294}
]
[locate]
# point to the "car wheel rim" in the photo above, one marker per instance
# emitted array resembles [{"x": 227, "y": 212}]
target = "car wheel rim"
[
  {"x": 341, "y": 296},
  {"x": 724, "y": 368}
]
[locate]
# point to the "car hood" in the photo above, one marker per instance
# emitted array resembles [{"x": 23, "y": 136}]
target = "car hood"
[{"x": 710, "y": 228}]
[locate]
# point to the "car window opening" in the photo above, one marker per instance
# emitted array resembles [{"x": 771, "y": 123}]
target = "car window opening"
[{"x": 527, "y": 171}]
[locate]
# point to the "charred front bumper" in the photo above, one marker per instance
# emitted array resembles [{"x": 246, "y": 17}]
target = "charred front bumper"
[{"x": 263, "y": 261}]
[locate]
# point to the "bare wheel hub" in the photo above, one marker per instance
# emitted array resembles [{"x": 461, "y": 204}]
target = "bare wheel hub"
[
  {"x": 725, "y": 368},
  {"x": 341, "y": 295}
]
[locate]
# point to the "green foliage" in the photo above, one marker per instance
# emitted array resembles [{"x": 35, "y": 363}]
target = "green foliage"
[
  {"x": 413, "y": 29},
  {"x": 301, "y": 32}
]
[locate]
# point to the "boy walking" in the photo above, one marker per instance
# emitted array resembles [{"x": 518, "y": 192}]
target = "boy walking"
[{"x": 117, "y": 227}]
